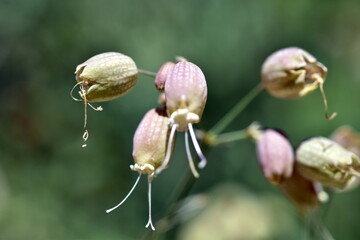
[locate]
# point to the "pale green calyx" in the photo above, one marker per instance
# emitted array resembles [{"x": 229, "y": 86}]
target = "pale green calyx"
[{"x": 325, "y": 161}]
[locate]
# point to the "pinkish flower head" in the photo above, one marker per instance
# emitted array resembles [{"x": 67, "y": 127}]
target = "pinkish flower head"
[
  {"x": 185, "y": 94},
  {"x": 162, "y": 75},
  {"x": 275, "y": 155},
  {"x": 151, "y": 143}
]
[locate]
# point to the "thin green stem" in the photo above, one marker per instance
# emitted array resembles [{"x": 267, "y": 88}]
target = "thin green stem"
[
  {"x": 236, "y": 110},
  {"x": 146, "y": 73},
  {"x": 230, "y": 137}
]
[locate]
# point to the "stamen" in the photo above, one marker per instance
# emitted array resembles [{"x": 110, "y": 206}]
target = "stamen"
[
  {"x": 203, "y": 161},
  {"x": 72, "y": 90},
  {"x": 132, "y": 189},
  {"x": 86, "y": 133},
  {"x": 168, "y": 150},
  {"x": 188, "y": 153},
  {"x": 149, "y": 223},
  {"x": 321, "y": 85}
]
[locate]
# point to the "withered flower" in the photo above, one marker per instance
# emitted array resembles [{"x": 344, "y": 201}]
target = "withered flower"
[
  {"x": 323, "y": 160},
  {"x": 104, "y": 77},
  {"x": 293, "y": 73}
]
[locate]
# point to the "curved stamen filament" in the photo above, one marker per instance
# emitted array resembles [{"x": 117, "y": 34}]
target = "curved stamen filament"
[
  {"x": 188, "y": 153},
  {"x": 72, "y": 90},
  {"x": 149, "y": 223},
  {"x": 132, "y": 189},
  {"x": 86, "y": 103},
  {"x": 321, "y": 85},
  {"x": 333, "y": 115},
  {"x": 203, "y": 161},
  {"x": 86, "y": 133},
  {"x": 168, "y": 150}
]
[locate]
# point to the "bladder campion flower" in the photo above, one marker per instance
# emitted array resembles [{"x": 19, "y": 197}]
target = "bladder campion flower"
[
  {"x": 104, "y": 77},
  {"x": 275, "y": 155},
  {"x": 292, "y": 73},
  {"x": 149, "y": 149},
  {"x": 186, "y": 94},
  {"x": 320, "y": 159}
]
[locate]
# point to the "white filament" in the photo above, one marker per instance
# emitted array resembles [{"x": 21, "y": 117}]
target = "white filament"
[
  {"x": 132, "y": 189},
  {"x": 72, "y": 90},
  {"x": 168, "y": 150},
  {"x": 149, "y": 223},
  {"x": 188, "y": 153},
  {"x": 203, "y": 161},
  {"x": 86, "y": 133},
  {"x": 86, "y": 103}
]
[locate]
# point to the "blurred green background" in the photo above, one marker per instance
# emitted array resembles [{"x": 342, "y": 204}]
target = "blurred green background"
[{"x": 51, "y": 188}]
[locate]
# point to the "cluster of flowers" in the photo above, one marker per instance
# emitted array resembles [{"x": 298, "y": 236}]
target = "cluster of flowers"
[
  {"x": 183, "y": 95},
  {"x": 287, "y": 74},
  {"x": 318, "y": 161}
]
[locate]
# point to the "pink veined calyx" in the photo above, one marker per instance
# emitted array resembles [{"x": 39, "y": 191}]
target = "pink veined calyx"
[{"x": 186, "y": 94}]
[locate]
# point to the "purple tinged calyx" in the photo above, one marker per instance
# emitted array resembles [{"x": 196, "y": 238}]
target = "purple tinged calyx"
[
  {"x": 149, "y": 149},
  {"x": 275, "y": 155},
  {"x": 186, "y": 94}
]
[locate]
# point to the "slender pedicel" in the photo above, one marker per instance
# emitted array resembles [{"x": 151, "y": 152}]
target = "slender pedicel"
[{"x": 132, "y": 189}]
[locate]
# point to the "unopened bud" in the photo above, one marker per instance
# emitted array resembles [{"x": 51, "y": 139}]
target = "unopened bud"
[
  {"x": 106, "y": 76},
  {"x": 162, "y": 74},
  {"x": 292, "y": 73},
  {"x": 275, "y": 155},
  {"x": 322, "y": 160},
  {"x": 150, "y": 142}
]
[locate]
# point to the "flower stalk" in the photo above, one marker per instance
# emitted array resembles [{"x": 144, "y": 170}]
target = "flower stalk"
[{"x": 236, "y": 110}]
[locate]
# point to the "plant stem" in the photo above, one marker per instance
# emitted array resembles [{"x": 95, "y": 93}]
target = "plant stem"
[
  {"x": 230, "y": 137},
  {"x": 236, "y": 110},
  {"x": 146, "y": 73}
]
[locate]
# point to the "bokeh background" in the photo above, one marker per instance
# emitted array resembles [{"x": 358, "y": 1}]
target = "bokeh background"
[{"x": 51, "y": 188}]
